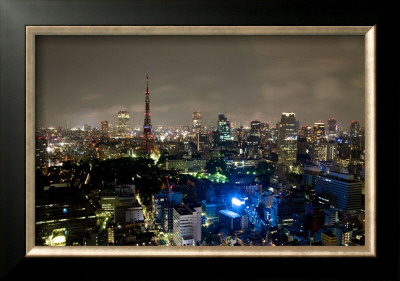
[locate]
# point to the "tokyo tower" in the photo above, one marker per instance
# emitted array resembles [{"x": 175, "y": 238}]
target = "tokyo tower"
[{"x": 148, "y": 139}]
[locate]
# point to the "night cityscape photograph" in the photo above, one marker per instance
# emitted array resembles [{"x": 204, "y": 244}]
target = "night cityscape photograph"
[{"x": 228, "y": 141}]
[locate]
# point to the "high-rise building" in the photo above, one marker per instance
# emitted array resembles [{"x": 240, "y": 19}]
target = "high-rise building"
[
  {"x": 211, "y": 210},
  {"x": 357, "y": 141},
  {"x": 287, "y": 139},
  {"x": 230, "y": 220},
  {"x": 318, "y": 136},
  {"x": 302, "y": 146},
  {"x": 240, "y": 136},
  {"x": 41, "y": 153},
  {"x": 224, "y": 128},
  {"x": 148, "y": 139},
  {"x": 318, "y": 132},
  {"x": 123, "y": 122},
  {"x": 339, "y": 190},
  {"x": 265, "y": 134},
  {"x": 331, "y": 128},
  {"x": 134, "y": 213},
  {"x": 254, "y": 137},
  {"x": 163, "y": 205},
  {"x": 104, "y": 128},
  {"x": 196, "y": 123},
  {"x": 203, "y": 141},
  {"x": 63, "y": 208},
  {"x": 355, "y": 128},
  {"x": 284, "y": 206},
  {"x": 187, "y": 225},
  {"x": 327, "y": 151},
  {"x": 86, "y": 127},
  {"x": 306, "y": 132},
  {"x": 274, "y": 134},
  {"x": 255, "y": 128}
]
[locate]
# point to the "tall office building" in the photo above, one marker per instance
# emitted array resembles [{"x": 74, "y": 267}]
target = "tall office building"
[
  {"x": 196, "y": 122},
  {"x": 41, "y": 153},
  {"x": 255, "y": 128},
  {"x": 264, "y": 131},
  {"x": 327, "y": 151},
  {"x": 339, "y": 190},
  {"x": 224, "y": 128},
  {"x": 318, "y": 136},
  {"x": 203, "y": 141},
  {"x": 254, "y": 135},
  {"x": 357, "y": 139},
  {"x": 284, "y": 206},
  {"x": 355, "y": 128},
  {"x": 230, "y": 220},
  {"x": 306, "y": 132},
  {"x": 318, "y": 132},
  {"x": 331, "y": 128},
  {"x": 240, "y": 136},
  {"x": 148, "y": 139},
  {"x": 123, "y": 122},
  {"x": 104, "y": 128},
  {"x": 287, "y": 139},
  {"x": 187, "y": 225}
]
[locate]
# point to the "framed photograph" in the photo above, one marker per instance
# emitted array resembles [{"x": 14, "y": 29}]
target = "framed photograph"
[
  {"x": 166, "y": 139},
  {"x": 214, "y": 69}
]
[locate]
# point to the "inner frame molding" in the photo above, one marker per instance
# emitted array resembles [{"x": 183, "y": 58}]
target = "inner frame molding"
[{"x": 369, "y": 250}]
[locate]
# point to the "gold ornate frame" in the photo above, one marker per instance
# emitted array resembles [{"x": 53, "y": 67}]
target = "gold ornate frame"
[{"x": 369, "y": 250}]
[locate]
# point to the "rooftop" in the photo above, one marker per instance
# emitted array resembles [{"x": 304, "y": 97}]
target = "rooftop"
[
  {"x": 230, "y": 213},
  {"x": 185, "y": 210}
]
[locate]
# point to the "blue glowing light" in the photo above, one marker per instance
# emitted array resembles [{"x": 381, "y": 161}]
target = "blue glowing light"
[
  {"x": 65, "y": 210},
  {"x": 237, "y": 202}
]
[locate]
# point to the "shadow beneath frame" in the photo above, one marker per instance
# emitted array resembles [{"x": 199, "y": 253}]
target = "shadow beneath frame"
[{"x": 14, "y": 17}]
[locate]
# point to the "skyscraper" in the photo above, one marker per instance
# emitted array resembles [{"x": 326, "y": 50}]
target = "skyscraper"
[
  {"x": 306, "y": 132},
  {"x": 187, "y": 225},
  {"x": 123, "y": 122},
  {"x": 287, "y": 139},
  {"x": 331, "y": 128},
  {"x": 104, "y": 128},
  {"x": 41, "y": 153},
  {"x": 318, "y": 136},
  {"x": 196, "y": 122},
  {"x": 148, "y": 139},
  {"x": 265, "y": 134},
  {"x": 224, "y": 128},
  {"x": 255, "y": 127},
  {"x": 240, "y": 136},
  {"x": 339, "y": 190},
  {"x": 318, "y": 132},
  {"x": 255, "y": 133},
  {"x": 355, "y": 128}
]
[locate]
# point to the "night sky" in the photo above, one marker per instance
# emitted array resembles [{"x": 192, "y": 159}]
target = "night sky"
[{"x": 87, "y": 79}]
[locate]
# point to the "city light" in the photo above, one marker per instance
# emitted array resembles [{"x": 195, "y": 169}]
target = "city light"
[
  {"x": 275, "y": 177},
  {"x": 237, "y": 202}
]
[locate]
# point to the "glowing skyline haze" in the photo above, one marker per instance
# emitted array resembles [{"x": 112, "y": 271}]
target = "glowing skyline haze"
[{"x": 87, "y": 79}]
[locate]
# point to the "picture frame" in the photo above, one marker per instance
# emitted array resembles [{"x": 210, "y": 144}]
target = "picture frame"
[
  {"x": 369, "y": 250},
  {"x": 33, "y": 254}
]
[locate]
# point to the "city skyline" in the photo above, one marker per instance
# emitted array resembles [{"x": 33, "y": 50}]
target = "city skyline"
[{"x": 85, "y": 80}]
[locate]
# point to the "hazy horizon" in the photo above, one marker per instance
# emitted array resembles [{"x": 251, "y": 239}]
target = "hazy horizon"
[{"x": 87, "y": 79}]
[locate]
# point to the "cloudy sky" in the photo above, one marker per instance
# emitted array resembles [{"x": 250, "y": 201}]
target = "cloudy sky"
[{"x": 87, "y": 79}]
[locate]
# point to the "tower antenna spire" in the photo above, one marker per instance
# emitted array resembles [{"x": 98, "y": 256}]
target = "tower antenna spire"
[
  {"x": 147, "y": 81},
  {"x": 148, "y": 144}
]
